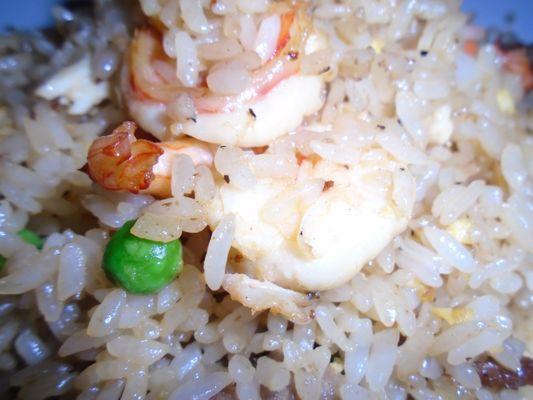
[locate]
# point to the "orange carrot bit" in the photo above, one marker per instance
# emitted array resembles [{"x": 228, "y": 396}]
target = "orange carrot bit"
[
  {"x": 471, "y": 47},
  {"x": 285, "y": 31}
]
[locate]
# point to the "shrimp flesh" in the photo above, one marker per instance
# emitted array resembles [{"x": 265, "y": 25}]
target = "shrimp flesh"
[
  {"x": 317, "y": 232},
  {"x": 121, "y": 162},
  {"x": 273, "y": 103}
]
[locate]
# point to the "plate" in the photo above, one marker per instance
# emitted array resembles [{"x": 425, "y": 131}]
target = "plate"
[{"x": 509, "y": 15}]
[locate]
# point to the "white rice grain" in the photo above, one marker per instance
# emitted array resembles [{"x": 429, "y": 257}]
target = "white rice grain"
[
  {"x": 138, "y": 351},
  {"x": 513, "y": 167},
  {"x": 193, "y": 15},
  {"x": 202, "y": 389},
  {"x": 47, "y": 301},
  {"x": 187, "y": 62},
  {"x": 31, "y": 348},
  {"x": 451, "y": 250},
  {"x": 106, "y": 317},
  {"x": 382, "y": 358},
  {"x": 217, "y": 252},
  {"x": 272, "y": 374},
  {"x": 181, "y": 181},
  {"x": 72, "y": 271}
]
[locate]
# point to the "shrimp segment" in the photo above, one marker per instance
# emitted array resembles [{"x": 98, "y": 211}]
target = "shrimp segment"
[
  {"x": 278, "y": 95},
  {"x": 308, "y": 239},
  {"x": 121, "y": 162}
]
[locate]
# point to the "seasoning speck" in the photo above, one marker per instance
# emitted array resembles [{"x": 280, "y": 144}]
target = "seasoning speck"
[
  {"x": 382, "y": 127},
  {"x": 313, "y": 295},
  {"x": 252, "y": 113},
  {"x": 226, "y": 178},
  {"x": 424, "y": 53},
  {"x": 328, "y": 185}
]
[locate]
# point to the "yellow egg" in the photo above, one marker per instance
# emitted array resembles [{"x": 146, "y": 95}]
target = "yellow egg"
[
  {"x": 453, "y": 316},
  {"x": 505, "y": 101},
  {"x": 460, "y": 230}
]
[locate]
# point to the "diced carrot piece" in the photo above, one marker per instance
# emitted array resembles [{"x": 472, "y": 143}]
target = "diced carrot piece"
[
  {"x": 471, "y": 47},
  {"x": 285, "y": 31}
]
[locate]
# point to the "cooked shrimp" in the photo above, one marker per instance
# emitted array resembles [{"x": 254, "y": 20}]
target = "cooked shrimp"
[
  {"x": 273, "y": 101},
  {"x": 318, "y": 232},
  {"x": 121, "y": 162},
  {"x": 310, "y": 228}
]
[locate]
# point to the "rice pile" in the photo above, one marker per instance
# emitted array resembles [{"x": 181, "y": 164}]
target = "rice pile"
[{"x": 418, "y": 321}]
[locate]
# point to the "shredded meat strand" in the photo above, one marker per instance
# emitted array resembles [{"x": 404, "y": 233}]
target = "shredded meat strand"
[{"x": 497, "y": 377}]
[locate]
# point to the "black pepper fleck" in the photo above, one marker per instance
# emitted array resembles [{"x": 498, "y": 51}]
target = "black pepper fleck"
[
  {"x": 255, "y": 356},
  {"x": 226, "y": 178},
  {"x": 293, "y": 55},
  {"x": 424, "y": 53},
  {"x": 192, "y": 119},
  {"x": 313, "y": 295},
  {"x": 252, "y": 113},
  {"x": 382, "y": 127},
  {"x": 401, "y": 340},
  {"x": 454, "y": 148},
  {"x": 328, "y": 185}
]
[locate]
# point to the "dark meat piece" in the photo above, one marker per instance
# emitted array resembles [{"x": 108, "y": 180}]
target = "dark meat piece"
[
  {"x": 498, "y": 377},
  {"x": 227, "y": 394}
]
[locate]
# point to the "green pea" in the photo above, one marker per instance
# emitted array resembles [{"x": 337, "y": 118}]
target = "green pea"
[
  {"x": 31, "y": 238},
  {"x": 139, "y": 265}
]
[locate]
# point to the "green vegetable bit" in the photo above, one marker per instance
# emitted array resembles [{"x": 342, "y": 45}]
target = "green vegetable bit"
[
  {"x": 139, "y": 265},
  {"x": 31, "y": 238}
]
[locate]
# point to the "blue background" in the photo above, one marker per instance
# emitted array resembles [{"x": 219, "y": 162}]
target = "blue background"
[{"x": 36, "y": 13}]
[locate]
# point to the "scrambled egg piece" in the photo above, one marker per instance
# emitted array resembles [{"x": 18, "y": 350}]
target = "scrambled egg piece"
[
  {"x": 377, "y": 45},
  {"x": 424, "y": 293},
  {"x": 505, "y": 101},
  {"x": 75, "y": 87},
  {"x": 337, "y": 365},
  {"x": 460, "y": 230},
  {"x": 454, "y": 316}
]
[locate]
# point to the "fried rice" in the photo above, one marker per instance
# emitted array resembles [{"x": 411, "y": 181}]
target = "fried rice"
[{"x": 439, "y": 311}]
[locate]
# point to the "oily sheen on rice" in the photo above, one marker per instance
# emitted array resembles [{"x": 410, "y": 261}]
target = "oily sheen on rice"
[{"x": 454, "y": 287}]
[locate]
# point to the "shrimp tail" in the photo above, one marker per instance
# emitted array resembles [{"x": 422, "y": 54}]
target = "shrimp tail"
[{"x": 121, "y": 162}]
